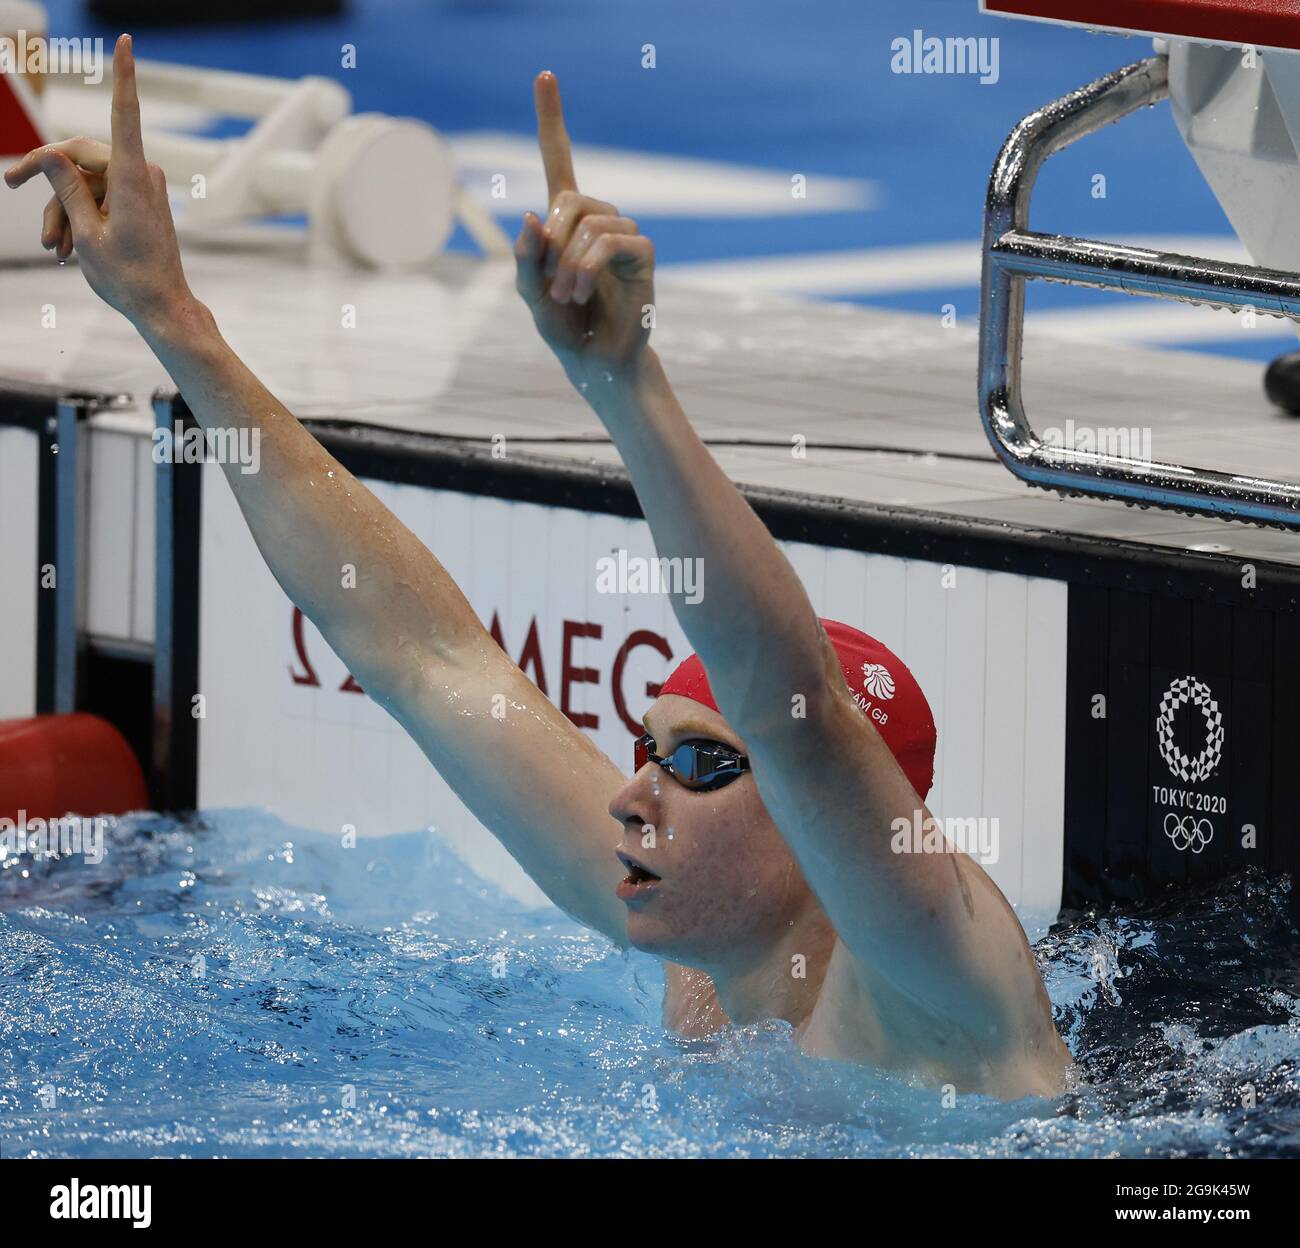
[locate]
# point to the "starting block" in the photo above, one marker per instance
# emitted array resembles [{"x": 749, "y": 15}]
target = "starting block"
[{"x": 1237, "y": 106}]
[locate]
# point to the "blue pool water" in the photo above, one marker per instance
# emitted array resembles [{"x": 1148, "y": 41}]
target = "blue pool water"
[{"x": 238, "y": 988}]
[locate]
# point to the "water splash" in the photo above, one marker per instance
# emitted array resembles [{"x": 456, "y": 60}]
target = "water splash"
[{"x": 239, "y": 987}]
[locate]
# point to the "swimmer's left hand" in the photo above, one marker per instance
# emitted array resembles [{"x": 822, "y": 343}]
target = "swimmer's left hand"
[{"x": 587, "y": 274}]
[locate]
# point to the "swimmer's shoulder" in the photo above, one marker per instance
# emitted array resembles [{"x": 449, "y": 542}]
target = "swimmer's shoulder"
[{"x": 865, "y": 1019}]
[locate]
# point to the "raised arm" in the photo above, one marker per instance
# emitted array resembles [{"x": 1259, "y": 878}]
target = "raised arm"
[
  {"x": 935, "y": 924},
  {"x": 405, "y": 630}
]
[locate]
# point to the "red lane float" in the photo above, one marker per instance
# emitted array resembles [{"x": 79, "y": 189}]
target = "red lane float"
[{"x": 55, "y": 765}]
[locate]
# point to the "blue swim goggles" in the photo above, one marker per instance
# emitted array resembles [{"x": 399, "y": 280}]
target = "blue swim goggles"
[{"x": 697, "y": 765}]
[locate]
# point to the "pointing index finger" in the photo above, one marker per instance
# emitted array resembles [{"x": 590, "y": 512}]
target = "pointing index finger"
[
  {"x": 552, "y": 137},
  {"x": 128, "y": 146}
]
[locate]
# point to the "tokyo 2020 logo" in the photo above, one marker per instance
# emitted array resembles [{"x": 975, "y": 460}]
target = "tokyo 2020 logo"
[{"x": 1188, "y": 691}]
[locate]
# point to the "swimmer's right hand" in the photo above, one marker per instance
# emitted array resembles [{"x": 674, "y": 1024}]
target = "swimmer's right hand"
[
  {"x": 111, "y": 205},
  {"x": 586, "y": 273}
]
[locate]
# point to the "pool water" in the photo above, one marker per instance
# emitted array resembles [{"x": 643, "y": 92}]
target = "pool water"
[{"x": 237, "y": 987}]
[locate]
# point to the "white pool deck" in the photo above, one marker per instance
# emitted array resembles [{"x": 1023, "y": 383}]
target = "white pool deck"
[{"x": 454, "y": 353}]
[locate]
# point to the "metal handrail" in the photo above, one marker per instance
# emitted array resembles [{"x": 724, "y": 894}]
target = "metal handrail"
[{"x": 1014, "y": 254}]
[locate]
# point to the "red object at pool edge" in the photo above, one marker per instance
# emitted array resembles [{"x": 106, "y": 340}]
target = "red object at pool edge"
[{"x": 54, "y": 765}]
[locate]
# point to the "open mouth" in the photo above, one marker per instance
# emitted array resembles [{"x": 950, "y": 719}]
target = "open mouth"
[{"x": 638, "y": 881}]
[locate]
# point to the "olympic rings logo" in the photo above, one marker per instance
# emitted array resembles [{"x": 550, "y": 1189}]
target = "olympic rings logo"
[
  {"x": 1188, "y": 832},
  {"x": 1190, "y": 691}
]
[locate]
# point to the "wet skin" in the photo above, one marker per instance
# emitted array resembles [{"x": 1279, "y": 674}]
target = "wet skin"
[{"x": 776, "y": 896}]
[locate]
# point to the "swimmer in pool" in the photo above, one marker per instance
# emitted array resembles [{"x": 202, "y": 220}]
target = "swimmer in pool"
[{"x": 757, "y": 856}]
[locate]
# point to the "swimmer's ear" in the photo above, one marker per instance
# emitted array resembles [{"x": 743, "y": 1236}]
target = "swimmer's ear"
[{"x": 552, "y": 137}]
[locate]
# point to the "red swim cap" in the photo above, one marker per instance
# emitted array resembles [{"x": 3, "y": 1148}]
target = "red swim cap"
[{"x": 882, "y": 686}]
